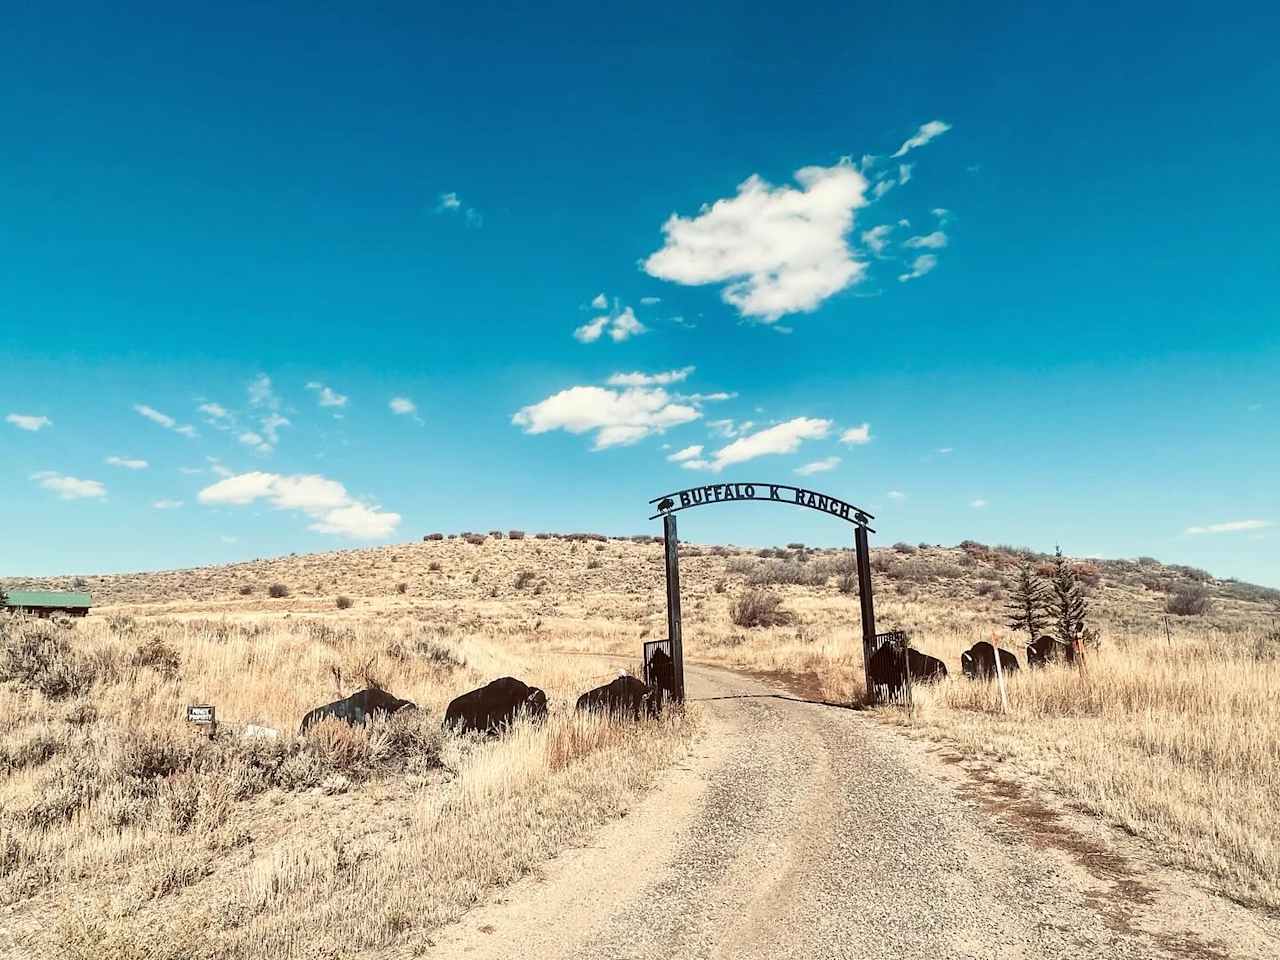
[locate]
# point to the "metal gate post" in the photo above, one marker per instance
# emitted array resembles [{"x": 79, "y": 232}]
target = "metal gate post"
[
  {"x": 672, "y": 545},
  {"x": 868, "y": 608}
]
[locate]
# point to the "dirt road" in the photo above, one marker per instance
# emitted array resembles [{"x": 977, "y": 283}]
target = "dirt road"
[{"x": 802, "y": 830}]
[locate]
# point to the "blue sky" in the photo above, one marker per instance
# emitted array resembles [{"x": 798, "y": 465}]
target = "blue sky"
[{"x": 1006, "y": 274}]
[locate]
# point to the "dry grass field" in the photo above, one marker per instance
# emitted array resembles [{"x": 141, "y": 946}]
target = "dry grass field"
[{"x": 123, "y": 835}]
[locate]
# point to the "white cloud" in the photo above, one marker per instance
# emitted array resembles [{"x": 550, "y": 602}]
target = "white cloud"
[
  {"x": 904, "y": 173},
  {"x": 452, "y": 203},
  {"x": 254, "y": 440},
  {"x": 778, "y": 250},
  {"x": 942, "y": 213},
  {"x": 190, "y": 471},
  {"x": 881, "y": 188},
  {"x": 69, "y": 488},
  {"x": 590, "y": 332},
  {"x": 650, "y": 379},
  {"x": 1232, "y": 526},
  {"x": 402, "y": 406},
  {"x": 218, "y": 468},
  {"x": 618, "y": 417},
  {"x": 358, "y": 522},
  {"x": 896, "y": 495},
  {"x": 25, "y": 421},
  {"x": 327, "y": 396},
  {"x": 601, "y": 302},
  {"x": 625, "y": 325},
  {"x": 877, "y": 238},
  {"x": 621, "y": 324},
  {"x": 978, "y": 504},
  {"x": 650, "y": 301},
  {"x": 926, "y": 132},
  {"x": 930, "y": 241},
  {"x": 271, "y": 424},
  {"x": 857, "y": 435},
  {"x": 725, "y": 428},
  {"x": 688, "y": 453},
  {"x": 216, "y": 415},
  {"x": 919, "y": 267},
  {"x": 945, "y": 450},
  {"x": 127, "y": 464},
  {"x": 261, "y": 394},
  {"x": 325, "y": 501},
  {"x": 167, "y": 504},
  {"x": 166, "y": 421},
  {"x": 782, "y": 438},
  {"x": 818, "y": 466}
]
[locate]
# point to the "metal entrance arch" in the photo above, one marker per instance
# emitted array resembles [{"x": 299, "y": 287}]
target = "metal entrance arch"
[{"x": 668, "y": 505}]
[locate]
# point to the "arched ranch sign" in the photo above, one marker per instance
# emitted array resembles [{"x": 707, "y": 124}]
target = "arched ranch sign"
[
  {"x": 668, "y": 505},
  {"x": 773, "y": 492}
]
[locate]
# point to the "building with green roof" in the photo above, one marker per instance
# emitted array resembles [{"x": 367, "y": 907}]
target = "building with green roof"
[{"x": 45, "y": 603}]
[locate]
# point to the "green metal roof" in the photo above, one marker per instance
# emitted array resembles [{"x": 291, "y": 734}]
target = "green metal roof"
[{"x": 47, "y": 598}]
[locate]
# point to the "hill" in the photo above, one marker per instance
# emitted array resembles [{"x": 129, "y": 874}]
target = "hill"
[{"x": 143, "y": 840}]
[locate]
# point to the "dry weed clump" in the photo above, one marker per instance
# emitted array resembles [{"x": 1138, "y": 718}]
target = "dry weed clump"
[{"x": 759, "y": 608}]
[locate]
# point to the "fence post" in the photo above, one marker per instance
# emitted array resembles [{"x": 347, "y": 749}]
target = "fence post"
[
  {"x": 672, "y": 546},
  {"x": 863, "y": 557}
]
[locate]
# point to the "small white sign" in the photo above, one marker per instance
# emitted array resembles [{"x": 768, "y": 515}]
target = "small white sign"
[{"x": 200, "y": 713}]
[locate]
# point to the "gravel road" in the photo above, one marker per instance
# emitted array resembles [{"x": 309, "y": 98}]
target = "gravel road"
[{"x": 798, "y": 830}]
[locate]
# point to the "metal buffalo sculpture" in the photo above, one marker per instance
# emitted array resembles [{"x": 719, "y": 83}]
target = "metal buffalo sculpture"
[
  {"x": 495, "y": 706},
  {"x": 1045, "y": 650},
  {"x": 979, "y": 661},
  {"x": 357, "y": 708},
  {"x": 889, "y": 668},
  {"x": 625, "y": 696},
  {"x": 662, "y": 675}
]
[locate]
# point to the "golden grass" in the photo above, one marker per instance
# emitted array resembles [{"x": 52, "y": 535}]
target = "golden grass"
[
  {"x": 143, "y": 839},
  {"x": 351, "y": 840}
]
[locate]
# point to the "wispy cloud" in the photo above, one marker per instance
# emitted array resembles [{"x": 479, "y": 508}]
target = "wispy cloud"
[
  {"x": 920, "y": 266},
  {"x": 688, "y": 453},
  {"x": 327, "y": 396},
  {"x": 69, "y": 488},
  {"x": 127, "y": 463},
  {"x": 925, "y": 133},
  {"x": 650, "y": 379},
  {"x": 164, "y": 420},
  {"x": 904, "y": 173},
  {"x": 1231, "y": 526},
  {"x": 778, "y": 250},
  {"x": 818, "y": 466},
  {"x": 29, "y": 422},
  {"x": 857, "y": 435},
  {"x": 167, "y": 504},
  {"x": 621, "y": 324},
  {"x": 978, "y": 504},
  {"x": 451, "y": 203},
  {"x": 402, "y": 406},
  {"x": 929, "y": 241},
  {"x": 779, "y": 439},
  {"x": 601, "y": 302},
  {"x": 331, "y": 508},
  {"x": 877, "y": 238},
  {"x": 650, "y": 301},
  {"x": 896, "y": 495}
]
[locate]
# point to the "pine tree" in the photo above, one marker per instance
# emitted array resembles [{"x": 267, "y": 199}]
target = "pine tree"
[
  {"x": 1067, "y": 606},
  {"x": 1028, "y": 601}
]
